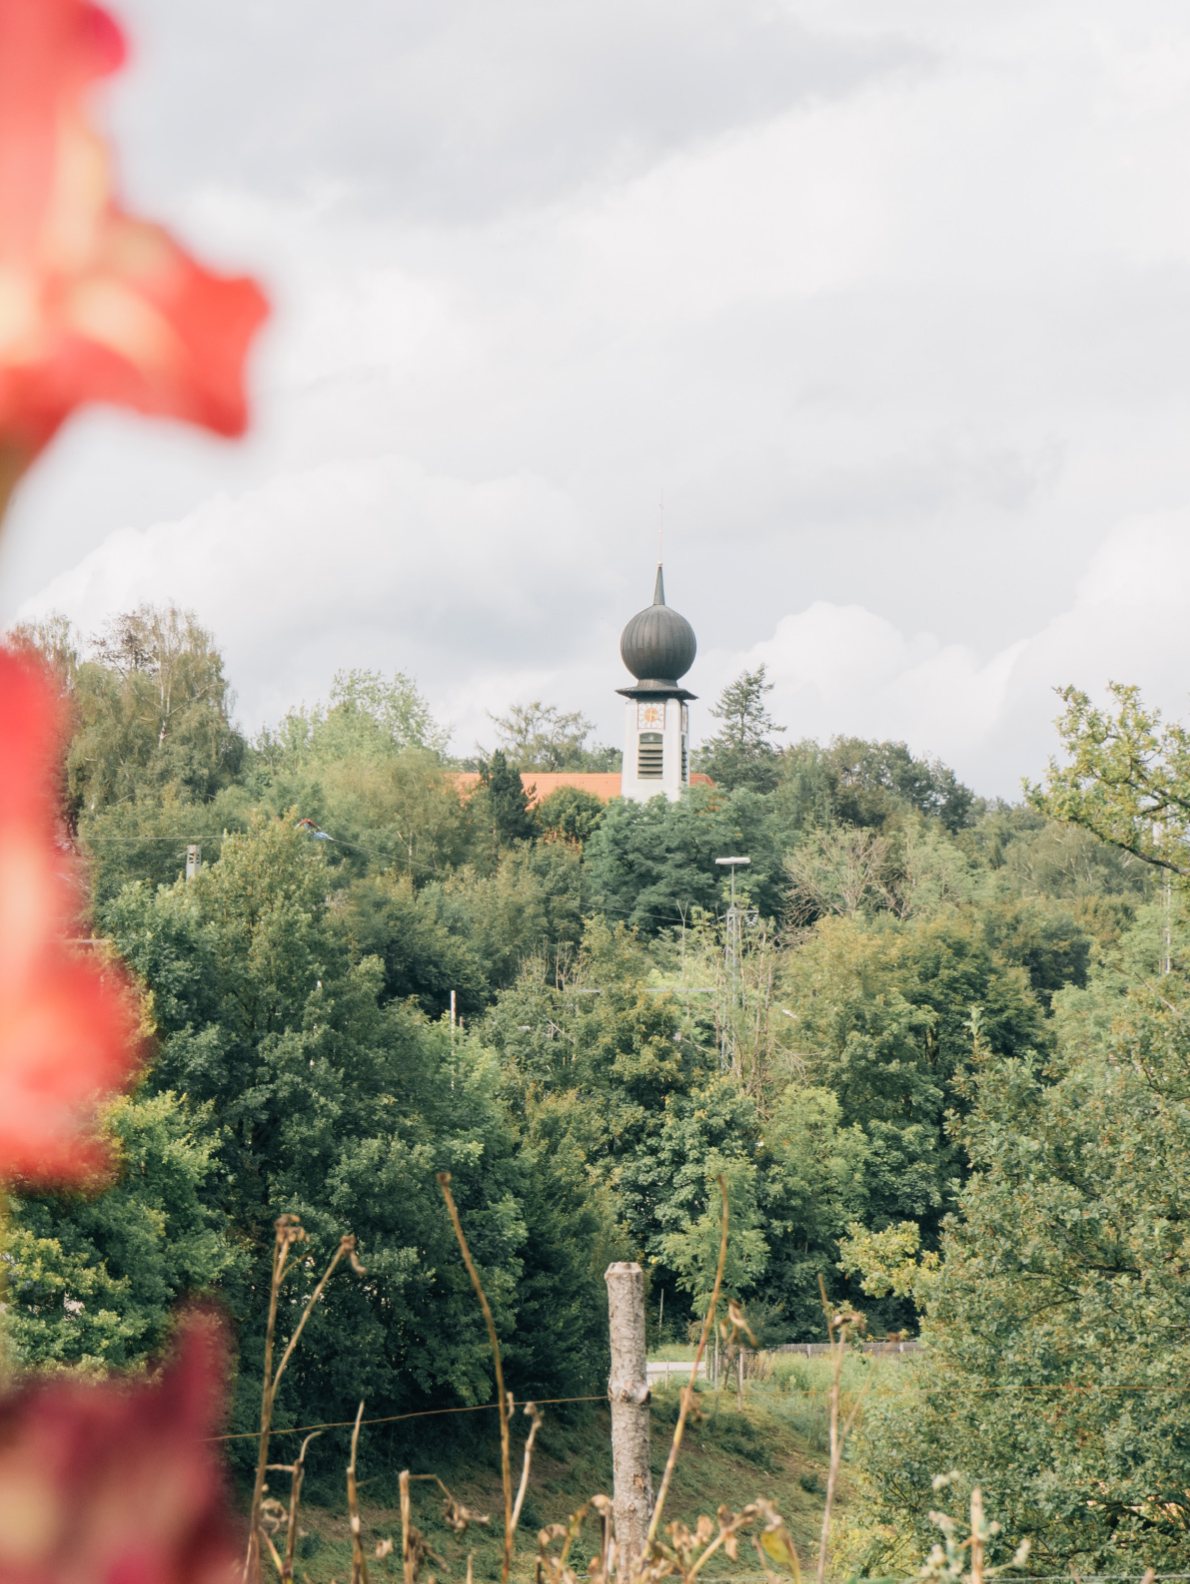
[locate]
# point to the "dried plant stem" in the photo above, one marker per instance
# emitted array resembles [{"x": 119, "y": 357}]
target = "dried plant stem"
[
  {"x": 359, "y": 1568},
  {"x": 288, "y": 1233},
  {"x": 277, "y": 1562},
  {"x": 281, "y": 1247},
  {"x": 498, "y": 1366},
  {"x": 534, "y": 1414},
  {"x": 840, "y": 1426},
  {"x": 688, "y": 1390},
  {"x": 345, "y": 1248},
  {"x": 297, "y": 1475},
  {"x": 741, "y": 1521},
  {"x": 407, "y": 1563}
]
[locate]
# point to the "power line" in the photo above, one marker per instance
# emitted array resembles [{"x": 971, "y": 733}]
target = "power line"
[
  {"x": 420, "y": 1413},
  {"x": 808, "y": 1391}
]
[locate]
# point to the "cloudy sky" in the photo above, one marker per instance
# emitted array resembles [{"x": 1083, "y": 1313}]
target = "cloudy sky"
[{"x": 888, "y": 300}]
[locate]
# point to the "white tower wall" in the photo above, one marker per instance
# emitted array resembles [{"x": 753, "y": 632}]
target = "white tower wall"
[{"x": 656, "y": 751}]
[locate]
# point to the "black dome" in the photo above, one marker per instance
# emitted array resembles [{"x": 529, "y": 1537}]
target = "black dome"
[{"x": 658, "y": 646}]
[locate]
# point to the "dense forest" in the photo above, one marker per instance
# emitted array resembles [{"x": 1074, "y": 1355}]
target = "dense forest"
[{"x": 939, "y": 1053}]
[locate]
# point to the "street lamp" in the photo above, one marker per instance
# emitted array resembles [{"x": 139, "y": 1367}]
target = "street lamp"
[{"x": 732, "y": 864}]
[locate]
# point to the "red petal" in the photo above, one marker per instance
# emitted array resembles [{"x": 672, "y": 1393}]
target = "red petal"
[
  {"x": 68, "y": 1031},
  {"x": 31, "y": 733},
  {"x": 117, "y": 1482},
  {"x": 152, "y": 330},
  {"x": 103, "y": 40}
]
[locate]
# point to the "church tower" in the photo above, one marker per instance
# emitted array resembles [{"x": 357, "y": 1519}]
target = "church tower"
[{"x": 658, "y": 646}]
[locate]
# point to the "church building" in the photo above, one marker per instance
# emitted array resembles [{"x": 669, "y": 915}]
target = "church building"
[{"x": 658, "y": 647}]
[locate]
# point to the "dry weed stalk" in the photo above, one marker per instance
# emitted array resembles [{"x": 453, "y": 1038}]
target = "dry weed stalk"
[
  {"x": 297, "y": 1473},
  {"x": 502, "y": 1400},
  {"x": 958, "y": 1560},
  {"x": 682, "y": 1556},
  {"x": 414, "y": 1549},
  {"x": 359, "y": 1568},
  {"x": 533, "y": 1413},
  {"x": 289, "y": 1232},
  {"x": 840, "y": 1326}
]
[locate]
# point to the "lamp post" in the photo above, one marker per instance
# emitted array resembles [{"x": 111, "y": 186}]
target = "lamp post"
[{"x": 731, "y": 964}]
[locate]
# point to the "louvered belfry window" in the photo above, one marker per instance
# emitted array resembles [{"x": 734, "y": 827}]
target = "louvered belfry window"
[{"x": 649, "y": 753}]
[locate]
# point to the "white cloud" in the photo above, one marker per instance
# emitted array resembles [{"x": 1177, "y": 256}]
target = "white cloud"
[
  {"x": 845, "y": 670},
  {"x": 891, "y": 302}
]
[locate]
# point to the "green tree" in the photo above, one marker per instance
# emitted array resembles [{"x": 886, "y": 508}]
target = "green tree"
[
  {"x": 868, "y": 783},
  {"x": 883, "y": 1014},
  {"x": 501, "y": 801},
  {"x": 1127, "y": 778},
  {"x": 1056, "y": 1323},
  {"x": 569, "y": 814},
  {"x": 539, "y": 736},
  {"x": 367, "y": 715},
  {"x": 912, "y": 869},
  {"x": 742, "y": 753},
  {"x": 93, "y": 1279},
  {"x": 152, "y": 712},
  {"x": 323, "y": 1096},
  {"x": 653, "y": 863}
]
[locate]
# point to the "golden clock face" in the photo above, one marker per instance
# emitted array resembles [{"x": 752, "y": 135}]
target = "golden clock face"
[{"x": 650, "y": 717}]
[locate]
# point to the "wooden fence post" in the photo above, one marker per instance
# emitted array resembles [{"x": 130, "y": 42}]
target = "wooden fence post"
[{"x": 628, "y": 1392}]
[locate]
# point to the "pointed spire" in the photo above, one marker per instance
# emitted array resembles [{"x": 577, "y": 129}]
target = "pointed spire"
[{"x": 659, "y": 587}]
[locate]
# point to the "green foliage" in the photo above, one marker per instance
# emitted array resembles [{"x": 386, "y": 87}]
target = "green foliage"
[
  {"x": 152, "y": 713},
  {"x": 501, "y": 801},
  {"x": 1056, "y": 1322},
  {"x": 742, "y": 753},
  {"x": 331, "y": 1100},
  {"x": 653, "y": 863},
  {"x": 569, "y": 814},
  {"x": 911, "y": 869},
  {"x": 94, "y": 1279},
  {"x": 883, "y": 1015},
  {"x": 539, "y": 736},
  {"x": 867, "y": 783},
  {"x": 367, "y": 716},
  {"x": 945, "y": 1090},
  {"x": 1127, "y": 780}
]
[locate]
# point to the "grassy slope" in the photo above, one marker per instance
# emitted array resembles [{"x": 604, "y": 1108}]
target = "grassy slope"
[{"x": 775, "y": 1447}]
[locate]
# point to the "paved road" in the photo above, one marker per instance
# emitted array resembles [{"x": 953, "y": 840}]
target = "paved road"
[{"x": 673, "y": 1370}]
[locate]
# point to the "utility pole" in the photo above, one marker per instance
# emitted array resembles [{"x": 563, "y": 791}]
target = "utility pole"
[
  {"x": 193, "y": 860},
  {"x": 731, "y": 969},
  {"x": 628, "y": 1392}
]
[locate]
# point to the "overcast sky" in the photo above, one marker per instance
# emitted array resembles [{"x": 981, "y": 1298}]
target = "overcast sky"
[{"x": 888, "y": 299}]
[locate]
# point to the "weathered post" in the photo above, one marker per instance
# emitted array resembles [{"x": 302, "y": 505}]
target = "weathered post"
[{"x": 628, "y": 1392}]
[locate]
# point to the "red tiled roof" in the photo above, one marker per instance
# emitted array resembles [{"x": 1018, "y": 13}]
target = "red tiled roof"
[{"x": 538, "y": 784}]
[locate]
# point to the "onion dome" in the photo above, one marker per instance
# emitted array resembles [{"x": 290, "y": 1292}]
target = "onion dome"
[{"x": 658, "y": 646}]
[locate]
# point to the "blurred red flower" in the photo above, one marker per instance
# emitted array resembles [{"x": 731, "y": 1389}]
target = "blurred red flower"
[
  {"x": 107, "y": 1483},
  {"x": 68, "y": 1033},
  {"x": 94, "y": 305}
]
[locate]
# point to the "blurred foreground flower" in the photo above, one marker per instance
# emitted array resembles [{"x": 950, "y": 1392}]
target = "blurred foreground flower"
[
  {"x": 114, "y": 1484},
  {"x": 67, "y": 1030},
  {"x": 94, "y": 305}
]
